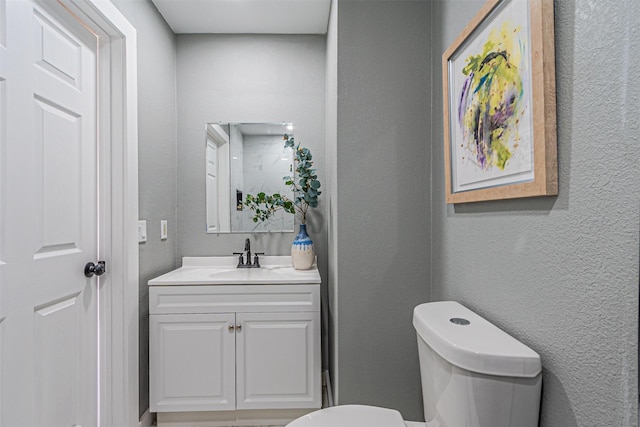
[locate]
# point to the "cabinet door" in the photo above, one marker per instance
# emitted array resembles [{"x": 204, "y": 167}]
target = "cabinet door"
[
  {"x": 278, "y": 360},
  {"x": 192, "y": 362}
]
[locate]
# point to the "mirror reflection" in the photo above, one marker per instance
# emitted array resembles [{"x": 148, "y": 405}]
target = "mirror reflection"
[{"x": 241, "y": 159}]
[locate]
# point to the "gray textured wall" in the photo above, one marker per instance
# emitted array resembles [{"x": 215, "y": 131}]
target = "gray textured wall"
[
  {"x": 247, "y": 78},
  {"x": 331, "y": 306},
  {"x": 561, "y": 273},
  {"x": 157, "y": 156},
  {"x": 383, "y": 215}
]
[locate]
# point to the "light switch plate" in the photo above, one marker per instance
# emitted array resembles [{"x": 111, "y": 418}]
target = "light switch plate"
[
  {"x": 163, "y": 229},
  {"x": 142, "y": 231}
]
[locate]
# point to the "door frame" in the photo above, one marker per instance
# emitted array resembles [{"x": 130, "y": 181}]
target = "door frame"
[
  {"x": 217, "y": 136},
  {"x": 118, "y": 210}
]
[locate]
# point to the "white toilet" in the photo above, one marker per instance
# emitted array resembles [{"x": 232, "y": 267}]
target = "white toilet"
[{"x": 473, "y": 375}]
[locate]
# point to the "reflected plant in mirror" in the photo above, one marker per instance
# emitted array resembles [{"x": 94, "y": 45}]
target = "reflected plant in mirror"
[{"x": 304, "y": 184}]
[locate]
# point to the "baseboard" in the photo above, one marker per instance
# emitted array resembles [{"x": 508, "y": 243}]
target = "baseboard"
[{"x": 148, "y": 419}]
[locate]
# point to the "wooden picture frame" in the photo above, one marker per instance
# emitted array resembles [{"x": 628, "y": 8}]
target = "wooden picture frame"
[{"x": 500, "y": 106}]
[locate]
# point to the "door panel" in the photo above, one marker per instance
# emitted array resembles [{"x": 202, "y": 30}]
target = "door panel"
[
  {"x": 3, "y": 22},
  {"x": 57, "y": 382},
  {"x": 278, "y": 361},
  {"x": 2, "y": 377},
  {"x": 58, "y": 143},
  {"x": 192, "y": 360},
  {"x": 57, "y": 52},
  {"x": 212, "y": 186},
  {"x": 48, "y": 215}
]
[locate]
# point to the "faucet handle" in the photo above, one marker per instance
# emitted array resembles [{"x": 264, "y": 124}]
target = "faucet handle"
[
  {"x": 240, "y": 258},
  {"x": 256, "y": 261}
]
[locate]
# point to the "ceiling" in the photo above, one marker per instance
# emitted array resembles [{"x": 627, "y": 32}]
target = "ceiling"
[{"x": 246, "y": 16}]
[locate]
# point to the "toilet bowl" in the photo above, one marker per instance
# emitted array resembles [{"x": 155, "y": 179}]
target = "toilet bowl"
[
  {"x": 473, "y": 375},
  {"x": 351, "y": 416}
]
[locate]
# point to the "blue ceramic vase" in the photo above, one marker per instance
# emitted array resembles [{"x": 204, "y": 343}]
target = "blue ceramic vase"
[{"x": 302, "y": 255}]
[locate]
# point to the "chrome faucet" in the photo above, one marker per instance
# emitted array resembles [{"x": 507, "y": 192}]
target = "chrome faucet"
[{"x": 246, "y": 262}]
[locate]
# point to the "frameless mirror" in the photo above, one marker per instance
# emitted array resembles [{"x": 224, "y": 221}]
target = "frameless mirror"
[{"x": 241, "y": 159}]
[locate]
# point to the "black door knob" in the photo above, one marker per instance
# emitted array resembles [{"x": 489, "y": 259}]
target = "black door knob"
[{"x": 92, "y": 269}]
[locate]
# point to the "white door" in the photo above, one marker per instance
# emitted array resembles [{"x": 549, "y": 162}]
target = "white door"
[
  {"x": 192, "y": 362},
  {"x": 213, "y": 201},
  {"x": 217, "y": 180},
  {"x": 48, "y": 212}
]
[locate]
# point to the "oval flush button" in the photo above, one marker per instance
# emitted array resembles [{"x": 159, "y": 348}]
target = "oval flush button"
[{"x": 459, "y": 321}]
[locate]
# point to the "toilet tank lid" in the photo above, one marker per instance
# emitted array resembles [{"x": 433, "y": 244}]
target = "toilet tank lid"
[{"x": 470, "y": 342}]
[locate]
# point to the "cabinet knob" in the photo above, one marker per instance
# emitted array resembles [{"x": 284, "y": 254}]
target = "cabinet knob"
[
  {"x": 231, "y": 328},
  {"x": 238, "y": 327}
]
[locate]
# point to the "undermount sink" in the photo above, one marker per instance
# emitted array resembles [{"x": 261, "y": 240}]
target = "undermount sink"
[{"x": 222, "y": 270}]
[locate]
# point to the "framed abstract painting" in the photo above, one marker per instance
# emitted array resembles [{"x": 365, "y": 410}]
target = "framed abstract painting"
[{"x": 500, "y": 106}]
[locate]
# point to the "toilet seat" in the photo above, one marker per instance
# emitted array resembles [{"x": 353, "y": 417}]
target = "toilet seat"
[{"x": 351, "y": 416}]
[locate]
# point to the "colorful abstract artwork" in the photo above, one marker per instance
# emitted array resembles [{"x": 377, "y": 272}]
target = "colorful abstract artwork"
[
  {"x": 491, "y": 93},
  {"x": 489, "y": 98}
]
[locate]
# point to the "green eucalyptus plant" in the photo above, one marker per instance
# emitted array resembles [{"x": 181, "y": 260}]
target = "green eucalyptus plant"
[{"x": 304, "y": 185}]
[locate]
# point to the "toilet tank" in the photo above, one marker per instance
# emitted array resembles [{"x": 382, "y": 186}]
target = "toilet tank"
[{"x": 473, "y": 373}]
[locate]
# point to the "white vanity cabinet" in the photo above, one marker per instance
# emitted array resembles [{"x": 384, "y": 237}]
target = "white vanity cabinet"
[{"x": 234, "y": 347}]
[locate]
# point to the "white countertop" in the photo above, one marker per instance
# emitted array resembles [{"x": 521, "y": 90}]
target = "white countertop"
[{"x": 222, "y": 270}]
